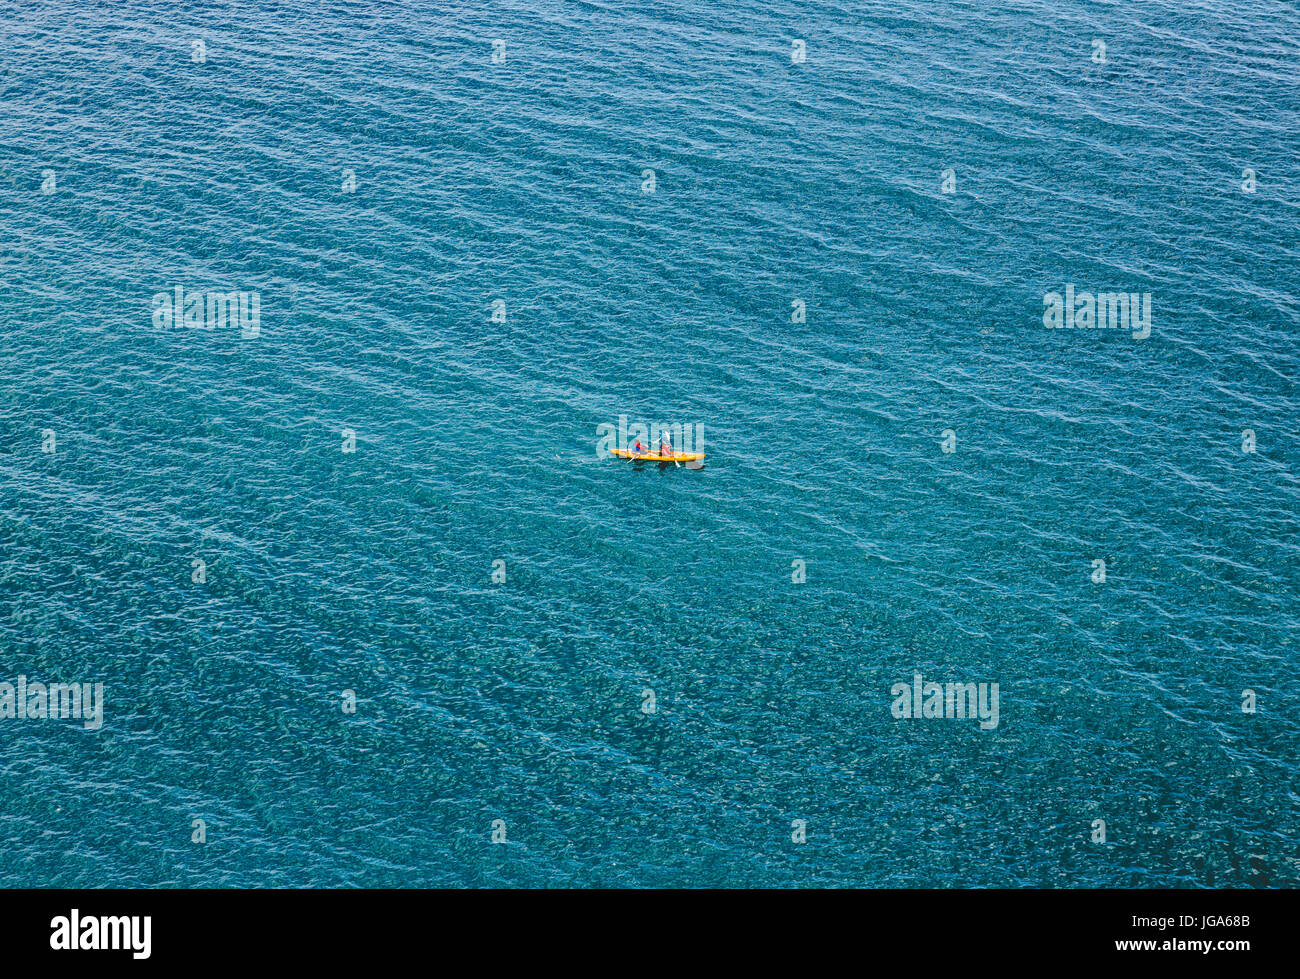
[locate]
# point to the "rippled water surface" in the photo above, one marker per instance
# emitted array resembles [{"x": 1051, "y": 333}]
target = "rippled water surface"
[{"x": 379, "y": 181}]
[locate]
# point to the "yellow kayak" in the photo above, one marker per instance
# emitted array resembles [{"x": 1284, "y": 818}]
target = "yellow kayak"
[{"x": 656, "y": 457}]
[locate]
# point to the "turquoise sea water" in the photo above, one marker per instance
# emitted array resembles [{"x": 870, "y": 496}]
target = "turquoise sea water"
[{"x": 378, "y": 181}]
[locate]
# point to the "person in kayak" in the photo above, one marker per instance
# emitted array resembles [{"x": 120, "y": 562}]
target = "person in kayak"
[
  {"x": 639, "y": 448},
  {"x": 665, "y": 446}
]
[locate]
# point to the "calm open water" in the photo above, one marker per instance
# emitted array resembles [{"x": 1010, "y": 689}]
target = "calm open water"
[{"x": 380, "y": 174}]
